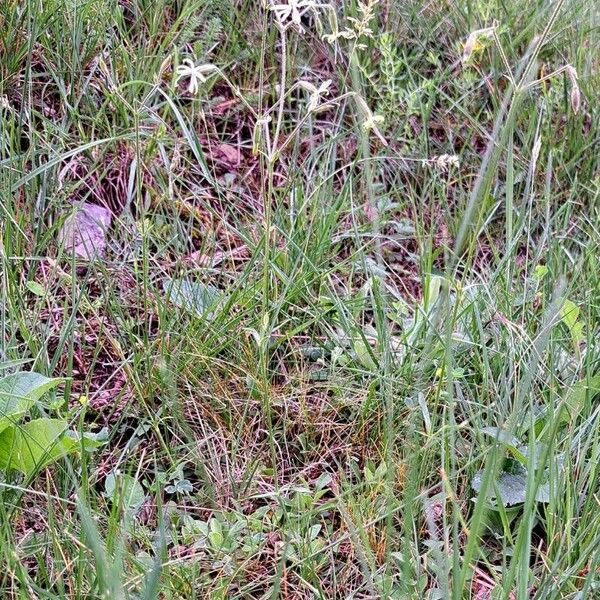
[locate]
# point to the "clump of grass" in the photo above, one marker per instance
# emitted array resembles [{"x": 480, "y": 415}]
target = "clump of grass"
[{"x": 342, "y": 342}]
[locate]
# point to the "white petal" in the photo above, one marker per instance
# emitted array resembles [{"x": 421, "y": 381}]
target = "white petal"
[{"x": 324, "y": 87}]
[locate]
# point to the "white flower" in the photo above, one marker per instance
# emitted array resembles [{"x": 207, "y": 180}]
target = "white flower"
[
  {"x": 292, "y": 10},
  {"x": 316, "y": 94},
  {"x": 371, "y": 124},
  {"x": 372, "y": 121},
  {"x": 197, "y": 74}
]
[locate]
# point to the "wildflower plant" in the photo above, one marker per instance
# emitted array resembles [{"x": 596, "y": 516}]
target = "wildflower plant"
[
  {"x": 342, "y": 340},
  {"x": 197, "y": 75},
  {"x": 289, "y": 14},
  {"x": 478, "y": 40}
]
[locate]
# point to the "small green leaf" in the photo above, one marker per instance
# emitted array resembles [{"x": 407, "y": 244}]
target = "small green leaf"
[
  {"x": 216, "y": 539},
  {"x": 19, "y": 392},
  {"x": 126, "y": 490},
  {"x": 180, "y": 487},
  {"x": 576, "y": 397},
  {"x": 89, "y": 441},
  {"x": 501, "y": 435},
  {"x": 34, "y": 445},
  {"x": 569, "y": 314},
  {"x": 194, "y": 297},
  {"x": 35, "y": 288},
  {"x": 364, "y": 356},
  {"x": 323, "y": 481},
  {"x": 314, "y": 531},
  {"x": 433, "y": 290}
]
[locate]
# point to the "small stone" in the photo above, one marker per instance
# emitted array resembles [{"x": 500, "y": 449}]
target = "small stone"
[
  {"x": 84, "y": 232},
  {"x": 227, "y": 154}
]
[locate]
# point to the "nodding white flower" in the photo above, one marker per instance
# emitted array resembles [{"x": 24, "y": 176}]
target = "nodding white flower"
[
  {"x": 316, "y": 94},
  {"x": 197, "y": 74},
  {"x": 292, "y": 11},
  {"x": 371, "y": 124},
  {"x": 372, "y": 121}
]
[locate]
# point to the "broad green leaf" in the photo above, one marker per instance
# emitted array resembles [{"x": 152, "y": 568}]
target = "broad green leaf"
[
  {"x": 543, "y": 493},
  {"x": 216, "y": 539},
  {"x": 34, "y": 445},
  {"x": 323, "y": 481},
  {"x": 501, "y": 435},
  {"x": 180, "y": 487},
  {"x": 126, "y": 490},
  {"x": 510, "y": 488},
  {"x": 534, "y": 458},
  {"x": 504, "y": 437},
  {"x": 89, "y": 441},
  {"x": 18, "y": 393},
  {"x": 569, "y": 313},
  {"x": 194, "y": 297},
  {"x": 314, "y": 531},
  {"x": 433, "y": 290},
  {"x": 13, "y": 364},
  {"x": 576, "y": 397}
]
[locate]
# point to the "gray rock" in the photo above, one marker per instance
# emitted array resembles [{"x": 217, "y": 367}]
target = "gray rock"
[{"x": 84, "y": 232}]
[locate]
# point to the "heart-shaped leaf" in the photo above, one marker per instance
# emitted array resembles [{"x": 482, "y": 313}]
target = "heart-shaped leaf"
[
  {"x": 19, "y": 392},
  {"x": 34, "y": 445}
]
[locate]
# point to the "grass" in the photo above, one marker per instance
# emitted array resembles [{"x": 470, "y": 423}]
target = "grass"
[{"x": 379, "y": 377}]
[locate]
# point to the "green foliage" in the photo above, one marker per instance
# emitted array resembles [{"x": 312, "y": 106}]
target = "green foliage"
[
  {"x": 570, "y": 317},
  {"x": 510, "y": 487},
  {"x": 18, "y": 394},
  {"x": 578, "y": 395},
  {"x": 359, "y": 266},
  {"x": 125, "y": 491},
  {"x": 34, "y": 445},
  {"x": 31, "y": 446},
  {"x": 195, "y": 298}
]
